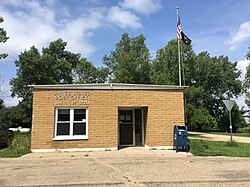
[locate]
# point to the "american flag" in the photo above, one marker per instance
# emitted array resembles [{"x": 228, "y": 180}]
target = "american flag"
[
  {"x": 180, "y": 33},
  {"x": 179, "y": 28}
]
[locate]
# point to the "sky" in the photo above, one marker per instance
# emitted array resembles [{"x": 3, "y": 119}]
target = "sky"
[{"x": 93, "y": 27}]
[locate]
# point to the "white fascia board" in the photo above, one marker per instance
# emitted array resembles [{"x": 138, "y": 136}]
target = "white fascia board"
[{"x": 107, "y": 86}]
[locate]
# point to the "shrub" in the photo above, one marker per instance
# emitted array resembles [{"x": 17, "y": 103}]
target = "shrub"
[
  {"x": 21, "y": 142},
  {"x": 19, "y": 146},
  {"x": 198, "y": 145},
  {"x": 244, "y": 129}
]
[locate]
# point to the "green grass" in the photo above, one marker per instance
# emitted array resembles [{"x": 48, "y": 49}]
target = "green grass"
[
  {"x": 19, "y": 146},
  {"x": 234, "y": 134},
  {"x": 215, "y": 148}
]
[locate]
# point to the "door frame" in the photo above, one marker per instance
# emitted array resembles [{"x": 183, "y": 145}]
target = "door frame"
[{"x": 133, "y": 121}]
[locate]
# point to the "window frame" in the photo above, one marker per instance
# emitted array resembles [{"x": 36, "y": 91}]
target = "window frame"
[{"x": 71, "y": 125}]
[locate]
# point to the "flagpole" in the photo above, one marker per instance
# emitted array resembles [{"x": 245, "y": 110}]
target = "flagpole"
[
  {"x": 179, "y": 59},
  {"x": 182, "y": 66}
]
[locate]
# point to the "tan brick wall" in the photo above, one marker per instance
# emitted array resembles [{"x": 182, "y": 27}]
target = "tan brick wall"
[{"x": 164, "y": 108}]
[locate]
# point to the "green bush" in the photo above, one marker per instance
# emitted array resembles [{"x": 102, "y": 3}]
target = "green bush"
[
  {"x": 198, "y": 146},
  {"x": 20, "y": 145},
  {"x": 21, "y": 142},
  {"x": 244, "y": 129}
]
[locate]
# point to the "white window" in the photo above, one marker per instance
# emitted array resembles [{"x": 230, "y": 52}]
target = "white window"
[{"x": 71, "y": 123}]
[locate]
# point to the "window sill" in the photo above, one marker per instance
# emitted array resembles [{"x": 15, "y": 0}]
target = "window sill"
[{"x": 70, "y": 138}]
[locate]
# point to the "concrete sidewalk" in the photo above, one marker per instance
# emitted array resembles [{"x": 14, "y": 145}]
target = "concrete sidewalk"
[
  {"x": 126, "y": 167},
  {"x": 125, "y": 152}
]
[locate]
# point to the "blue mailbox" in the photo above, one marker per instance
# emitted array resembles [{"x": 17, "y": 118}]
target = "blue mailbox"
[{"x": 180, "y": 137}]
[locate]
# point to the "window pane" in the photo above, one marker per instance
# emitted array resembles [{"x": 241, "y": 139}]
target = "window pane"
[
  {"x": 121, "y": 117},
  {"x": 126, "y": 115},
  {"x": 63, "y": 115},
  {"x": 79, "y": 129},
  {"x": 79, "y": 114},
  {"x": 128, "y": 118},
  {"x": 62, "y": 129}
]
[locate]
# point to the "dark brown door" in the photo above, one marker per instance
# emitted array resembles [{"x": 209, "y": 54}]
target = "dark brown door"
[{"x": 126, "y": 127}]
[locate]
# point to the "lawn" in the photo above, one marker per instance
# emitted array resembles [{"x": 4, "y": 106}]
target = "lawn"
[
  {"x": 215, "y": 148},
  {"x": 228, "y": 134},
  {"x": 19, "y": 146}
]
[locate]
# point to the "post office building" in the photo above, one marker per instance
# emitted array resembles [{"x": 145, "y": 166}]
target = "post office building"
[{"x": 86, "y": 117}]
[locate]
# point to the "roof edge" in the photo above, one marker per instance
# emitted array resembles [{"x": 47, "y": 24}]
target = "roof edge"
[{"x": 106, "y": 86}]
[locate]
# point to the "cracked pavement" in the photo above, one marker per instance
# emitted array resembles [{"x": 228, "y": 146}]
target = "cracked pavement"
[{"x": 128, "y": 167}]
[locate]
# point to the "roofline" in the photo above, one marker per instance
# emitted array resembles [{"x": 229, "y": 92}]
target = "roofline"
[{"x": 106, "y": 86}]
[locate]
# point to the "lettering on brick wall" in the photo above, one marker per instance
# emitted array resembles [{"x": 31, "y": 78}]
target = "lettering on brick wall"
[{"x": 72, "y": 98}]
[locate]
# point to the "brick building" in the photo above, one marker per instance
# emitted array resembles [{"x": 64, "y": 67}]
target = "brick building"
[{"x": 81, "y": 117}]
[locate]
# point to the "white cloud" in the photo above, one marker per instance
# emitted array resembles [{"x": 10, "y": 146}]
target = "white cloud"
[
  {"x": 123, "y": 18},
  {"x": 5, "y": 95},
  {"x": 242, "y": 65},
  {"x": 241, "y": 102},
  {"x": 78, "y": 31},
  {"x": 142, "y": 6},
  {"x": 242, "y": 35},
  {"x": 9, "y": 101},
  {"x": 39, "y": 24}
]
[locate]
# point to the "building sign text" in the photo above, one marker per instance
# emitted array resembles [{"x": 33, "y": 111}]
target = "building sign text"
[{"x": 72, "y": 97}]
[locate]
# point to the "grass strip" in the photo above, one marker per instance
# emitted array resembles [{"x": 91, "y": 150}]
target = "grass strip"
[{"x": 216, "y": 148}]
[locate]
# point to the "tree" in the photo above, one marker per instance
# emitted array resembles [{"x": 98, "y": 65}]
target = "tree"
[
  {"x": 3, "y": 38},
  {"x": 59, "y": 64},
  {"x": 165, "y": 69},
  {"x": 247, "y": 76},
  {"x": 86, "y": 72},
  {"x": 15, "y": 116},
  {"x": 210, "y": 80},
  {"x": 130, "y": 62},
  {"x": 248, "y": 54},
  {"x": 1, "y": 104},
  {"x": 199, "y": 118},
  {"x": 53, "y": 66},
  {"x": 247, "y": 80},
  {"x": 217, "y": 75},
  {"x": 27, "y": 74},
  {"x": 219, "y": 79}
]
